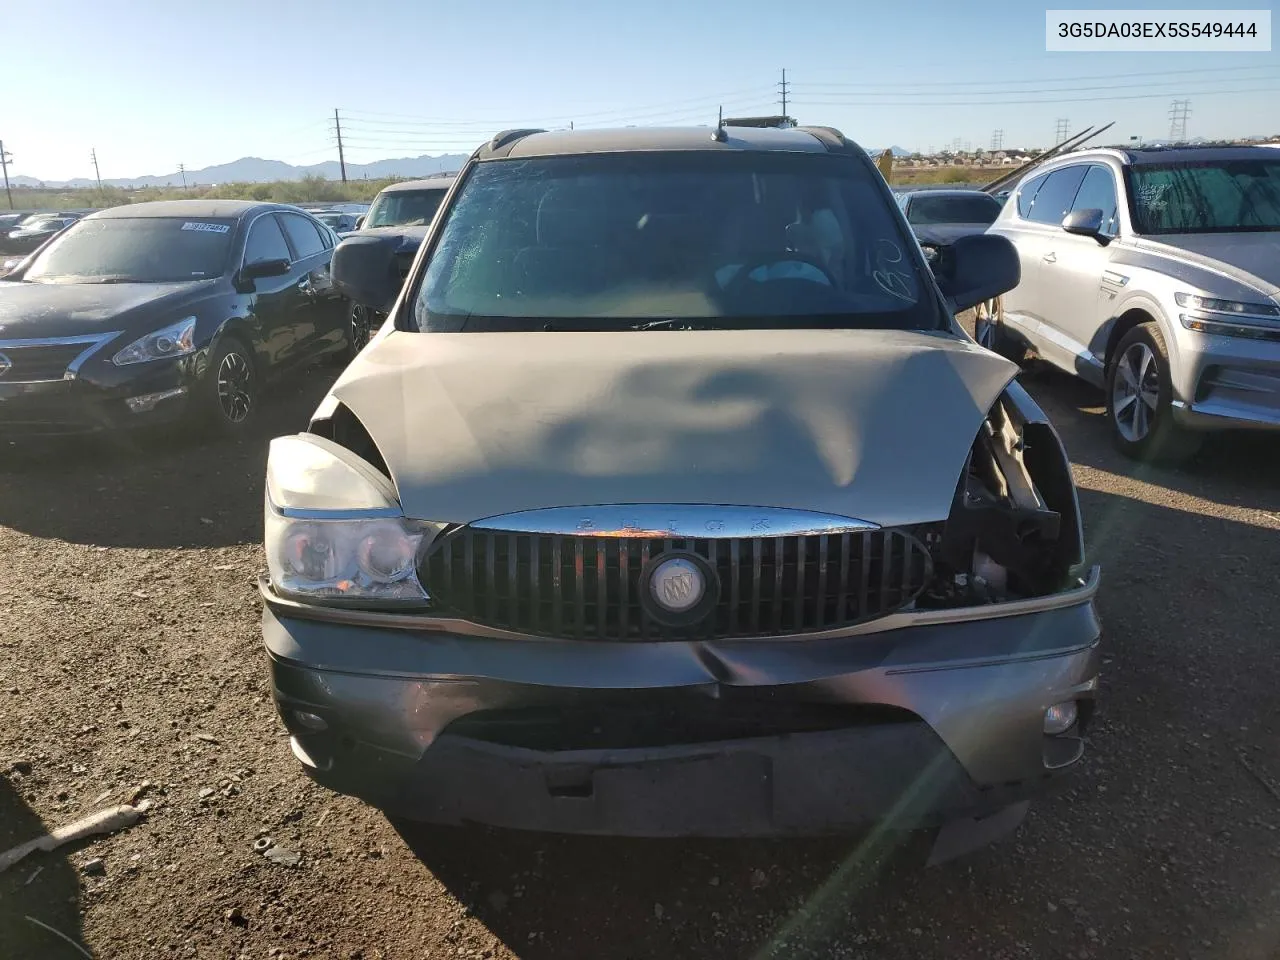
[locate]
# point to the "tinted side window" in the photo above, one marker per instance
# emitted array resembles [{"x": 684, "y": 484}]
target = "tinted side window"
[
  {"x": 303, "y": 235},
  {"x": 1098, "y": 191},
  {"x": 266, "y": 242},
  {"x": 1053, "y": 202},
  {"x": 1028, "y": 194}
]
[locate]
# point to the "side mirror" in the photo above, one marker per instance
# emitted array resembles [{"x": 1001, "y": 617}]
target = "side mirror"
[
  {"x": 359, "y": 223},
  {"x": 1085, "y": 223},
  {"x": 264, "y": 268},
  {"x": 981, "y": 267},
  {"x": 364, "y": 270}
]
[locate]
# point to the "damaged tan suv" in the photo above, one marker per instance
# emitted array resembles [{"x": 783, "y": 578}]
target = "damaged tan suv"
[{"x": 673, "y": 501}]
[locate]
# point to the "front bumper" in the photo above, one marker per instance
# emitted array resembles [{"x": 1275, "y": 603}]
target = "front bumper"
[
  {"x": 913, "y": 726},
  {"x": 1227, "y": 382},
  {"x": 78, "y": 406}
]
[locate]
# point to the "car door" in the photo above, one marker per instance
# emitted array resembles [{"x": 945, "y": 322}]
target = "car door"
[
  {"x": 1072, "y": 278},
  {"x": 1020, "y": 303},
  {"x": 275, "y": 299},
  {"x": 1038, "y": 244},
  {"x": 321, "y": 309}
]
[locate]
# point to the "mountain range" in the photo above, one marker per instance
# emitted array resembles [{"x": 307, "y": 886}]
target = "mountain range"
[{"x": 257, "y": 170}]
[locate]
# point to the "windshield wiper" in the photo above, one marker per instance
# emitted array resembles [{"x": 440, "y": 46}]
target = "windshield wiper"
[{"x": 674, "y": 323}]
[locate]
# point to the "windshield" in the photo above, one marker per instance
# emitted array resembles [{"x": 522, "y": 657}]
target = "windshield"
[
  {"x": 141, "y": 250},
  {"x": 975, "y": 208},
  {"x": 733, "y": 239},
  {"x": 1221, "y": 196},
  {"x": 405, "y": 208},
  {"x": 331, "y": 219}
]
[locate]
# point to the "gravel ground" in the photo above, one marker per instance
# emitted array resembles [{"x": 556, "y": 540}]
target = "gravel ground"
[{"x": 130, "y": 664}]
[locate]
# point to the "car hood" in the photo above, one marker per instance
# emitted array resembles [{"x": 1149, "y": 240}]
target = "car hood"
[
  {"x": 873, "y": 424},
  {"x": 71, "y": 309},
  {"x": 1246, "y": 257},
  {"x": 944, "y": 234},
  {"x": 411, "y": 236}
]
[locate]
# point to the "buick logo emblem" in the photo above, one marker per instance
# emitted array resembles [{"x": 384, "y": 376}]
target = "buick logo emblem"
[
  {"x": 677, "y": 585},
  {"x": 5, "y": 364}
]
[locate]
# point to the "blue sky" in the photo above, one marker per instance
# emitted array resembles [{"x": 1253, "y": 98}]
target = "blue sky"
[{"x": 151, "y": 85}]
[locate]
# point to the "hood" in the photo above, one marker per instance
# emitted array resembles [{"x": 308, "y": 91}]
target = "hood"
[
  {"x": 70, "y": 309},
  {"x": 1249, "y": 258},
  {"x": 411, "y": 237},
  {"x": 870, "y": 424},
  {"x": 944, "y": 234}
]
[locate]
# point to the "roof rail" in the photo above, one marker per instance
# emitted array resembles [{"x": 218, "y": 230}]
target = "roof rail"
[{"x": 830, "y": 137}]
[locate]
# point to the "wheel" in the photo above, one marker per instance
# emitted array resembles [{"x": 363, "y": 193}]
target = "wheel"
[
  {"x": 989, "y": 331},
  {"x": 228, "y": 394},
  {"x": 1140, "y": 399},
  {"x": 361, "y": 322}
]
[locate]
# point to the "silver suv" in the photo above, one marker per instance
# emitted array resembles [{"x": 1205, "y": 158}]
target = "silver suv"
[{"x": 1152, "y": 274}]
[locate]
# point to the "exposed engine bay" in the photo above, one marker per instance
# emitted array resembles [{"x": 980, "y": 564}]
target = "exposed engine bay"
[{"x": 1014, "y": 528}]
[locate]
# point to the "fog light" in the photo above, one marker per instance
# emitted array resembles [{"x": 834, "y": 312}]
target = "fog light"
[
  {"x": 314, "y": 722},
  {"x": 1060, "y": 718},
  {"x": 147, "y": 401}
]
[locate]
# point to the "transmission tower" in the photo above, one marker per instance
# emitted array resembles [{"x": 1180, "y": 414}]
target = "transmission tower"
[
  {"x": 1178, "y": 113},
  {"x": 782, "y": 88},
  {"x": 997, "y": 139},
  {"x": 1063, "y": 128}
]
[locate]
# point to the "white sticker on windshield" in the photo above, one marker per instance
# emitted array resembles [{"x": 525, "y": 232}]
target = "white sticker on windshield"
[{"x": 207, "y": 227}]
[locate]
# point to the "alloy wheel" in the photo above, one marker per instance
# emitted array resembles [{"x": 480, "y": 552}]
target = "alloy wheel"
[
  {"x": 1135, "y": 393},
  {"x": 235, "y": 382},
  {"x": 359, "y": 328}
]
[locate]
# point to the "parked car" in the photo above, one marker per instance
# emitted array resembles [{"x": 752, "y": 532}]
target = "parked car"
[
  {"x": 155, "y": 312},
  {"x": 673, "y": 501},
  {"x": 30, "y": 235},
  {"x": 402, "y": 211},
  {"x": 9, "y": 221},
  {"x": 1153, "y": 274},
  {"x": 336, "y": 220},
  {"x": 939, "y": 217}
]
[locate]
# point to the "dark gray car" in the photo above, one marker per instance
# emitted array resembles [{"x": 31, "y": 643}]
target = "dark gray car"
[{"x": 673, "y": 501}]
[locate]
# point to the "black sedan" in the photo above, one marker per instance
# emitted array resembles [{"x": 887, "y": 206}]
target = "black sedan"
[{"x": 157, "y": 312}]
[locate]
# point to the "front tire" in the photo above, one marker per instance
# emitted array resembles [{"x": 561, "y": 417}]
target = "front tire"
[
  {"x": 227, "y": 397},
  {"x": 1140, "y": 399},
  {"x": 361, "y": 323},
  {"x": 989, "y": 330}
]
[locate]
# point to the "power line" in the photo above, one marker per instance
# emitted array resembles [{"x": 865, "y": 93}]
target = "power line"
[
  {"x": 1178, "y": 113},
  {"x": 996, "y": 103},
  {"x": 1001, "y": 91},
  {"x": 1072, "y": 79}
]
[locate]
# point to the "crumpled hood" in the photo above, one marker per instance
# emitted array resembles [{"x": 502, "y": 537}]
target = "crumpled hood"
[
  {"x": 871, "y": 424},
  {"x": 71, "y": 309},
  {"x": 1250, "y": 258},
  {"x": 945, "y": 234}
]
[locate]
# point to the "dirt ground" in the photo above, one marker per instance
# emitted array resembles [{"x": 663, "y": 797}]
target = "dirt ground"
[{"x": 130, "y": 655}]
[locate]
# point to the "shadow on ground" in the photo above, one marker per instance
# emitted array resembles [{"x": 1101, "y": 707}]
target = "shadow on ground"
[
  {"x": 179, "y": 490},
  {"x": 42, "y": 886}
]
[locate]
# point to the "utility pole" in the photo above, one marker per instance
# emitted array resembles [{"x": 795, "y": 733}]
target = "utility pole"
[
  {"x": 93, "y": 155},
  {"x": 342, "y": 160},
  {"x": 783, "y": 88},
  {"x": 183, "y": 171},
  {"x": 4, "y": 165},
  {"x": 1178, "y": 113},
  {"x": 997, "y": 139}
]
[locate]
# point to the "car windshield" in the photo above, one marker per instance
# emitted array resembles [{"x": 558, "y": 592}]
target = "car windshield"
[
  {"x": 973, "y": 208},
  {"x": 731, "y": 239},
  {"x": 405, "y": 208},
  {"x": 136, "y": 250},
  {"x": 1221, "y": 196}
]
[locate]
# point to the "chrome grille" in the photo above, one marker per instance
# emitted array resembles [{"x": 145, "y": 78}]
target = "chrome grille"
[
  {"x": 33, "y": 364},
  {"x": 589, "y": 587}
]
